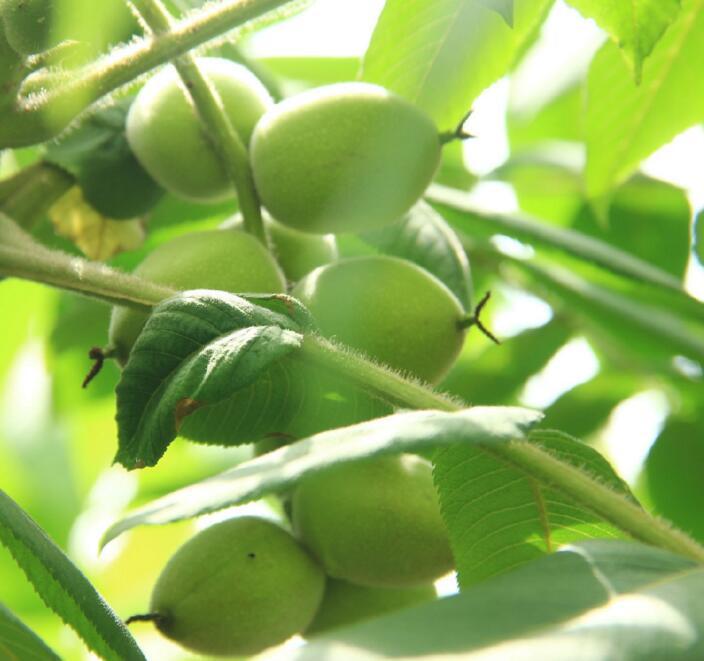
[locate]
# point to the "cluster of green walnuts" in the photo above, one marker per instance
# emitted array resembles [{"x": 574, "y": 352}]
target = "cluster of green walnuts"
[{"x": 367, "y": 536}]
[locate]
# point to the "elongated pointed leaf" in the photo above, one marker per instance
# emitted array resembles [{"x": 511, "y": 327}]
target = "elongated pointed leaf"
[
  {"x": 635, "y": 26},
  {"x": 678, "y": 451},
  {"x": 651, "y": 332},
  {"x": 18, "y": 641},
  {"x": 422, "y": 236},
  {"x": 467, "y": 217},
  {"x": 503, "y": 7},
  {"x": 441, "y": 54},
  {"x": 196, "y": 350},
  {"x": 63, "y": 587},
  {"x": 278, "y": 470},
  {"x": 499, "y": 517},
  {"x": 592, "y": 600},
  {"x": 625, "y": 122}
]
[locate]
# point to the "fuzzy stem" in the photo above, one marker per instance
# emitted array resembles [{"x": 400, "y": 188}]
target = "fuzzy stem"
[
  {"x": 80, "y": 275},
  {"x": 223, "y": 137},
  {"x": 60, "y": 100},
  {"x": 592, "y": 494},
  {"x": 107, "y": 284}
]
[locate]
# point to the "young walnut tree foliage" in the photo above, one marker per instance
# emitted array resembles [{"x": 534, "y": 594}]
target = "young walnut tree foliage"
[{"x": 230, "y": 279}]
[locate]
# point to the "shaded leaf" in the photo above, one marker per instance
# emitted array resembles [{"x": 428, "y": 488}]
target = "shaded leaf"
[
  {"x": 441, "y": 54},
  {"x": 471, "y": 220},
  {"x": 291, "y": 399},
  {"x": 625, "y": 122},
  {"x": 672, "y": 474},
  {"x": 635, "y": 26},
  {"x": 592, "y": 600},
  {"x": 112, "y": 181},
  {"x": 422, "y": 236},
  {"x": 498, "y": 517},
  {"x": 196, "y": 349},
  {"x": 498, "y": 374},
  {"x": 62, "y": 586},
  {"x": 586, "y": 408},
  {"x": 647, "y": 218},
  {"x": 18, "y": 641},
  {"x": 699, "y": 237},
  {"x": 652, "y": 333},
  {"x": 278, "y": 470}
]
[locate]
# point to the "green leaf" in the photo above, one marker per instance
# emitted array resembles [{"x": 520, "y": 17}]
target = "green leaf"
[
  {"x": 98, "y": 155},
  {"x": 699, "y": 237},
  {"x": 471, "y": 220},
  {"x": 422, "y": 236},
  {"x": 196, "y": 349},
  {"x": 279, "y": 470},
  {"x": 498, "y": 517},
  {"x": 18, "y": 641},
  {"x": 503, "y": 7},
  {"x": 672, "y": 474},
  {"x": 636, "y": 327},
  {"x": 441, "y": 54},
  {"x": 558, "y": 119},
  {"x": 62, "y": 586},
  {"x": 647, "y": 218},
  {"x": 585, "y": 409},
  {"x": 592, "y": 600},
  {"x": 635, "y": 26},
  {"x": 625, "y": 122},
  {"x": 291, "y": 399}
]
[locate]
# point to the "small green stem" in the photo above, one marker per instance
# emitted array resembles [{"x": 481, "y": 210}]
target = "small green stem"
[
  {"x": 223, "y": 137},
  {"x": 28, "y": 195},
  {"x": 32, "y": 262},
  {"x": 60, "y": 98},
  {"x": 97, "y": 280},
  {"x": 384, "y": 382}
]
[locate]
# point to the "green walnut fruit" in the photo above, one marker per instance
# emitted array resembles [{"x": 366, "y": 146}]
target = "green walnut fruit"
[
  {"x": 170, "y": 141},
  {"x": 237, "y": 587},
  {"x": 28, "y": 24},
  {"x": 298, "y": 253},
  {"x": 375, "y": 522},
  {"x": 390, "y": 309},
  {"x": 345, "y": 603},
  {"x": 220, "y": 259},
  {"x": 343, "y": 158}
]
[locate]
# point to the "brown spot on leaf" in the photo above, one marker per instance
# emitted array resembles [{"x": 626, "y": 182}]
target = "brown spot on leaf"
[{"x": 185, "y": 407}]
